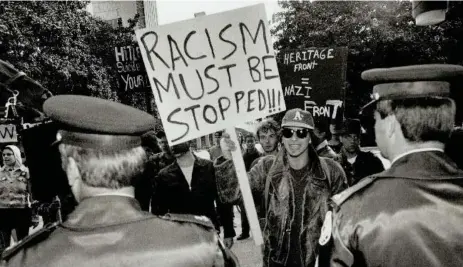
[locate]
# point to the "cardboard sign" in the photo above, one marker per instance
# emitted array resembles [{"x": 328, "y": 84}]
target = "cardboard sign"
[
  {"x": 132, "y": 74},
  {"x": 8, "y": 133},
  {"x": 212, "y": 72},
  {"x": 313, "y": 79}
]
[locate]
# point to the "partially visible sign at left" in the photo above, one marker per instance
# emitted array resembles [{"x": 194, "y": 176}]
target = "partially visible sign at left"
[{"x": 8, "y": 133}]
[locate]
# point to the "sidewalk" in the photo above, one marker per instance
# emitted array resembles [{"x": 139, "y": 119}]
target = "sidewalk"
[{"x": 249, "y": 255}]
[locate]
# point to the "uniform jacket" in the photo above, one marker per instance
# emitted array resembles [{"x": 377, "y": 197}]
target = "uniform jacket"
[
  {"x": 113, "y": 231},
  {"x": 173, "y": 195},
  {"x": 365, "y": 165},
  {"x": 409, "y": 215},
  {"x": 279, "y": 215},
  {"x": 14, "y": 188}
]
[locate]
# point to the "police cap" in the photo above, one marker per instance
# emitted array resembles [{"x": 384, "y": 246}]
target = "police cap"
[
  {"x": 416, "y": 81},
  {"x": 90, "y": 122}
]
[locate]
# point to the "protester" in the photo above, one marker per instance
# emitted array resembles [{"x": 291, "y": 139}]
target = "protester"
[
  {"x": 297, "y": 185},
  {"x": 410, "y": 214},
  {"x": 321, "y": 134},
  {"x": 188, "y": 186},
  {"x": 165, "y": 157},
  {"x": 215, "y": 150},
  {"x": 15, "y": 198},
  {"x": 335, "y": 141},
  {"x": 250, "y": 154},
  {"x": 101, "y": 154},
  {"x": 143, "y": 184},
  {"x": 357, "y": 164}
]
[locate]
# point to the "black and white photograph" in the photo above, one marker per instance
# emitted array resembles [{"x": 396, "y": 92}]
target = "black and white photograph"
[{"x": 231, "y": 133}]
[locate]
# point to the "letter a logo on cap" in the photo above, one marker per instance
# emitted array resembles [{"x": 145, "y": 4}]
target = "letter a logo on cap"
[{"x": 298, "y": 116}]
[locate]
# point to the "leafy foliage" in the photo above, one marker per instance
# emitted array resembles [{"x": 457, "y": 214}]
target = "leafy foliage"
[
  {"x": 63, "y": 47},
  {"x": 378, "y": 34}
]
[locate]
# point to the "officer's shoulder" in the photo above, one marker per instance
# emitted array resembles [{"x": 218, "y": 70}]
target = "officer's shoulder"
[
  {"x": 30, "y": 240},
  {"x": 202, "y": 221},
  {"x": 345, "y": 195}
]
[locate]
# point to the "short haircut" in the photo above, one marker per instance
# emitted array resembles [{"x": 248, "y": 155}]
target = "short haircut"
[
  {"x": 160, "y": 134},
  {"x": 266, "y": 125},
  {"x": 421, "y": 119},
  {"x": 99, "y": 168}
]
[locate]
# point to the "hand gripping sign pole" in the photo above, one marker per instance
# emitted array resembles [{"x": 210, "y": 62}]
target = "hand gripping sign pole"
[{"x": 242, "y": 176}]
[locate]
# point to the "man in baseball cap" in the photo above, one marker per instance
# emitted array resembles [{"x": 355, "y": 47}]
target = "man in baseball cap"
[
  {"x": 101, "y": 153},
  {"x": 410, "y": 214},
  {"x": 290, "y": 184}
]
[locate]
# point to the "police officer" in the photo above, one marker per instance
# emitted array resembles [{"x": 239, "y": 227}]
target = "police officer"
[
  {"x": 101, "y": 154},
  {"x": 411, "y": 214}
]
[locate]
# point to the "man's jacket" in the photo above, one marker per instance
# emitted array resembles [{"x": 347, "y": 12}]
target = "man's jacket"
[
  {"x": 172, "y": 194},
  {"x": 409, "y": 215},
  {"x": 114, "y": 231},
  {"x": 279, "y": 214}
]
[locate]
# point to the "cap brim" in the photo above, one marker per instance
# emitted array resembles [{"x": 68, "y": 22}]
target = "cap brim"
[{"x": 297, "y": 124}]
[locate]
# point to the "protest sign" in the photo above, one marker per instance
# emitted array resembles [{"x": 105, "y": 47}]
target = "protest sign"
[
  {"x": 212, "y": 72},
  {"x": 129, "y": 65},
  {"x": 8, "y": 133},
  {"x": 313, "y": 79}
]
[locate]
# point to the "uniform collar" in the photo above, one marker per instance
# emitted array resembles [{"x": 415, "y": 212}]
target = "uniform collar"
[{"x": 415, "y": 151}]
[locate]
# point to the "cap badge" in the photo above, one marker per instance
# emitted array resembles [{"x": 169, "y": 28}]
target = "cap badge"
[
  {"x": 375, "y": 96},
  {"x": 298, "y": 116}
]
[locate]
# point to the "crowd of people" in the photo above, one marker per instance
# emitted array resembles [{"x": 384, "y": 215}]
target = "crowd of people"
[{"x": 318, "y": 204}]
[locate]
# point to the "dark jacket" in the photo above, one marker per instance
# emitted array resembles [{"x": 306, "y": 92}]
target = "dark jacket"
[
  {"x": 113, "y": 231},
  {"x": 144, "y": 183},
  {"x": 409, "y": 215},
  {"x": 279, "y": 215},
  {"x": 173, "y": 195},
  {"x": 365, "y": 165}
]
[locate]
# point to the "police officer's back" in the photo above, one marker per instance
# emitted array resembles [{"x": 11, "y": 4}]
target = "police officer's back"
[
  {"x": 101, "y": 154},
  {"x": 412, "y": 213}
]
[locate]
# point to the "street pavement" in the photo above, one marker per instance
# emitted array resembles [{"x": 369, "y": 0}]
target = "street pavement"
[{"x": 249, "y": 255}]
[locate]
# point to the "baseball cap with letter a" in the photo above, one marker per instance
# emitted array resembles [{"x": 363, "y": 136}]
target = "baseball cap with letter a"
[{"x": 298, "y": 118}]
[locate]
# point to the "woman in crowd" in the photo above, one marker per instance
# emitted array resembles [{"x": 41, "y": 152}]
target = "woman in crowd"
[{"x": 15, "y": 211}]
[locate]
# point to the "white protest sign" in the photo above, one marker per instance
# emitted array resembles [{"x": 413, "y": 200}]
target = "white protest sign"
[
  {"x": 8, "y": 133},
  {"x": 212, "y": 72}
]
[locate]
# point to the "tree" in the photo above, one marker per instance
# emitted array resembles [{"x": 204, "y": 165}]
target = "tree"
[
  {"x": 378, "y": 35},
  {"x": 63, "y": 47}
]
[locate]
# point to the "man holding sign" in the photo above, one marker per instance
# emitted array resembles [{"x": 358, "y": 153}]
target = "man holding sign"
[
  {"x": 297, "y": 185},
  {"x": 211, "y": 73}
]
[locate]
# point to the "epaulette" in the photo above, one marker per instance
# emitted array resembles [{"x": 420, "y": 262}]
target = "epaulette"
[
  {"x": 29, "y": 240},
  {"x": 186, "y": 218},
  {"x": 340, "y": 198}
]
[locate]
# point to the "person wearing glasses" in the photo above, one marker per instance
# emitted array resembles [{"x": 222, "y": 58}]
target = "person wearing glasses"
[
  {"x": 357, "y": 164},
  {"x": 297, "y": 185}
]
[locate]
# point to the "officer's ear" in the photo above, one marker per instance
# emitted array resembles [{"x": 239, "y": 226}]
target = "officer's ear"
[
  {"x": 72, "y": 171},
  {"x": 392, "y": 126},
  {"x": 74, "y": 177}
]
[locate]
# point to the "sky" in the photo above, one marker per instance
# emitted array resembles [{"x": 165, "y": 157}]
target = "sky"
[{"x": 177, "y": 10}]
